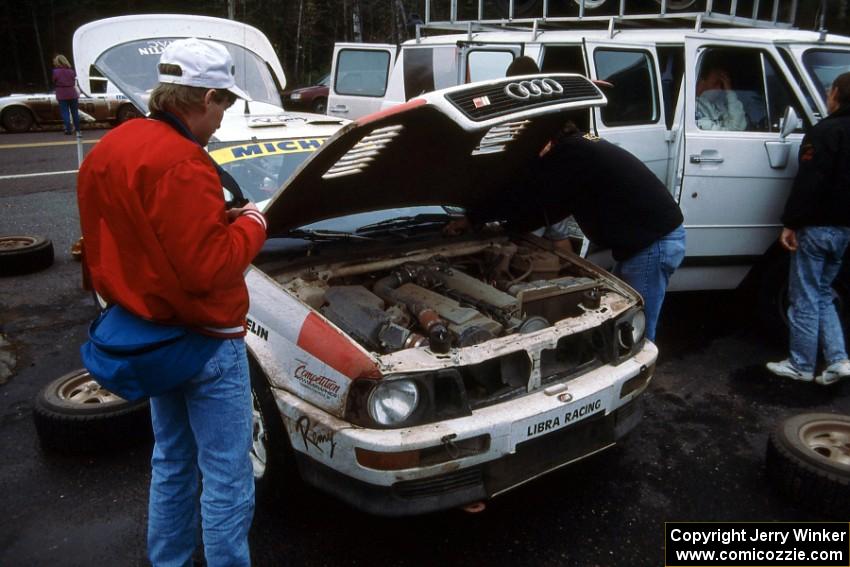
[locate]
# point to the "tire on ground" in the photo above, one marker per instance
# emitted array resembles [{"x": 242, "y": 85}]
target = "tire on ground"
[
  {"x": 24, "y": 254},
  {"x": 274, "y": 464},
  {"x": 809, "y": 460},
  {"x": 73, "y": 414}
]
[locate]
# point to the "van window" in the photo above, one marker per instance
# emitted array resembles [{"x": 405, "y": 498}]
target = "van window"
[
  {"x": 825, "y": 65},
  {"x": 779, "y": 95},
  {"x": 362, "y": 72},
  {"x": 634, "y": 98},
  {"x": 741, "y": 89},
  {"x": 483, "y": 65},
  {"x": 563, "y": 59},
  {"x": 789, "y": 61}
]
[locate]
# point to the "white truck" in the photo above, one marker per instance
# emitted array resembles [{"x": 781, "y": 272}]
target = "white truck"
[{"x": 731, "y": 184}]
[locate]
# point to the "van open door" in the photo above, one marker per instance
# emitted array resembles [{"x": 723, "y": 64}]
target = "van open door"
[
  {"x": 634, "y": 117},
  {"x": 359, "y": 78},
  {"x": 733, "y": 189}
]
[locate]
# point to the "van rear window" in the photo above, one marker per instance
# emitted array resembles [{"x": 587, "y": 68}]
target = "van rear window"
[{"x": 633, "y": 98}]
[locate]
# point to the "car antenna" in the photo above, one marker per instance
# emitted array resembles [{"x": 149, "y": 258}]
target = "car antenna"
[{"x": 247, "y": 108}]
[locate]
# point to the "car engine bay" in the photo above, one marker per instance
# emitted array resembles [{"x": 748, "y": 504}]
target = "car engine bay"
[{"x": 444, "y": 301}]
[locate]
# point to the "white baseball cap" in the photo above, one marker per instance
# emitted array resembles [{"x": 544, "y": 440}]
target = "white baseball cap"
[{"x": 202, "y": 63}]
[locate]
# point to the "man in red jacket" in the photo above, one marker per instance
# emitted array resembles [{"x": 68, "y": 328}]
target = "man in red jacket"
[{"x": 159, "y": 243}]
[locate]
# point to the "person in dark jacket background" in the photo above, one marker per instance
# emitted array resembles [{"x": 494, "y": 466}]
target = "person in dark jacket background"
[
  {"x": 65, "y": 83},
  {"x": 817, "y": 232}
]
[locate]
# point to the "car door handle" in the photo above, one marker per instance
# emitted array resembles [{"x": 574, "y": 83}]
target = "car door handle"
[
  {"x": 340, "y": 108},
  {"x": 702, "y": 159}
]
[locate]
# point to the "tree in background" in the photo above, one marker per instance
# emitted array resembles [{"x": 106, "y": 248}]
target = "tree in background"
[{"x": 302, "y": 31}]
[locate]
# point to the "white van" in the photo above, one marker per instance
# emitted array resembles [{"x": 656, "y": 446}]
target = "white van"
[{"x": 730, "y": 184}]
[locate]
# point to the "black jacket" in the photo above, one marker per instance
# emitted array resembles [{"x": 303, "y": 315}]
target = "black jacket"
[
  {"x": 616, "y": 200},
  {"x": 821, "y": 192}
]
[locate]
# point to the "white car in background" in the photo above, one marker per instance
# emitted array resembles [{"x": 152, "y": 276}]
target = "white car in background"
[
  {"x": 402, "y": 367},
  {"x": 20, "y": 112}
]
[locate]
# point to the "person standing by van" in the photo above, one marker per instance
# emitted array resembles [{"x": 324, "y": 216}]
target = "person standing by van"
[
  {"x": 817, "y": 232},
  {"x": 159, "y": 243},
  {"x": 65, "y": 84}
]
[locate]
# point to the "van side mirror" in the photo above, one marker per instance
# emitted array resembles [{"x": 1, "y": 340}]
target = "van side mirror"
[{"x": 790, "y": 122}]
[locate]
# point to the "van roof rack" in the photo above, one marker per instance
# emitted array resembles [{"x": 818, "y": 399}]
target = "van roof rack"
[{"x": 501, "y": 15}]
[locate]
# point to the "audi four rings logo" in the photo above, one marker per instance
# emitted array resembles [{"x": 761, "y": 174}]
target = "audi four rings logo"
[{"x": 534, "y": 88}]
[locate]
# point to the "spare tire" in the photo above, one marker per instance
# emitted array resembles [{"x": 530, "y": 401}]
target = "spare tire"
[
  {"x": 808, "y": 457},
  {"x": 24, "y": 254},
  {"x": 74, "y": 414}
]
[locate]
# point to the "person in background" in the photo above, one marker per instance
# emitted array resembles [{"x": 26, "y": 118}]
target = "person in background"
[
  {"x": 717, "y": 104},
  {"x": 617, "y": 202},
  {"x": 522, "y": 65},
  {"x": 817, "y": 232},
  {"x": 67, "y": 95},
  {"x": 159, "y": 242}
]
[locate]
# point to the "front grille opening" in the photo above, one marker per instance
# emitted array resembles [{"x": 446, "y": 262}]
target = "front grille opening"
[
  {"x": 574, "y": 353},
  {"x": 553, "y": 306},
  {"x": 451, "y": 450},
  {"x": 638, "y": 382},
  {"x": 439, "y": 485},
  {"x": 496, "y": 379}
]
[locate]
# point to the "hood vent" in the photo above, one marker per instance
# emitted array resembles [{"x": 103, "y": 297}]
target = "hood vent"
[
  {"x": 498, "y": 137},
  {"x": 363, "y": 152}
]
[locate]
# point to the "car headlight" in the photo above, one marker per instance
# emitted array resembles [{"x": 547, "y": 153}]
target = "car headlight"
[
  {"x": 638, "y": 327},
  {"x": 631, "y": 332},
  {"x": 296, "y": 96},
  {"x": 393, "y": 401}
]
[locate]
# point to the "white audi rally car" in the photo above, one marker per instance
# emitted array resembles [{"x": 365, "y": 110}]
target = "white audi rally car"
[{"x": 405, "y": 368}]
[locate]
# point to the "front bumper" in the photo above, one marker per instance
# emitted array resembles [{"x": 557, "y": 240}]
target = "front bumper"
[{"x": 520, "y": 448}]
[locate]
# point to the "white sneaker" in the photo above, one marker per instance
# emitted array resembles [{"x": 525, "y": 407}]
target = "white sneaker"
[
  {"x": 786, "y": 368},
  {"x": 834, "y": 372}
]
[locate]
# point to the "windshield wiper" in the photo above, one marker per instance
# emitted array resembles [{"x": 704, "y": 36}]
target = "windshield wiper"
[
  {"x": 405, "y": 223},
  {"x": 320, "y": 235}
]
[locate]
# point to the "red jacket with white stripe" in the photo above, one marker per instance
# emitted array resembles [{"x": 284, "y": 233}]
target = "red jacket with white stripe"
[{"x": 155, "y": 232}]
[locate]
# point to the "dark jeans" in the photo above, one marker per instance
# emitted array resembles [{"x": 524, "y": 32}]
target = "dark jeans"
[
  {"x": 649, "y": 272},
  {"x": 70, "y": 109}
]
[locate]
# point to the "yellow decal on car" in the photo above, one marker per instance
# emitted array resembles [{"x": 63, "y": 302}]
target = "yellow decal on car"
[{"x": 265, "y": 148}]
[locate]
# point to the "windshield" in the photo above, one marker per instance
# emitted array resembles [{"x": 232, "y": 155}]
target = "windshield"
[
  {"x": 824, "y": 66},
  {"x": 132, "y": 67},
  {"x": 262, "y": 167},
  {"x": 359, "y": 221}
]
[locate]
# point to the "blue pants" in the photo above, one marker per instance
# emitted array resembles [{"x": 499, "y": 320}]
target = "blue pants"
[
  {"x": 70, "y": 109},
  {"x": 203, "y": 427},
  {"x": 649, "y": 272},
  {"x": 811, "y": 313}
]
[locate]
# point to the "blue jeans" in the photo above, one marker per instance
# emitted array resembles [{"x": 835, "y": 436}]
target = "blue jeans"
[
  {"x": 70, "y": 109},
  {"x": 812, "y": 313},
  {"x": 203, "y": 427},
  {"x": 649, "y": 272}
]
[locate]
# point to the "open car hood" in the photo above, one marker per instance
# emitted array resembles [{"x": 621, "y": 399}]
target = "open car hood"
[
  {"x": 126, "y": 50},
  {"x": 464, "y": 146}
]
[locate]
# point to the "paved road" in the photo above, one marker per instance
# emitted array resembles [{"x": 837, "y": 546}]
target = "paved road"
[{"x": 698, "y": 455}]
